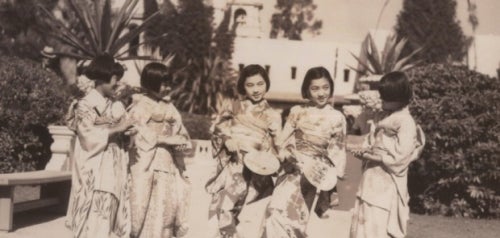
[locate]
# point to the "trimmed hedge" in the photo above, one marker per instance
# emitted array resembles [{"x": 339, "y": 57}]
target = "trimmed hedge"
[
  {"x": 458, "y": 173},
  {"x": 30, "y": 99},
  {"x": 197, "y": 125}
]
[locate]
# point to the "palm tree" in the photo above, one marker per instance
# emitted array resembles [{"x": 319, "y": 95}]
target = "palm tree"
[{"x": 103, "y": 32}]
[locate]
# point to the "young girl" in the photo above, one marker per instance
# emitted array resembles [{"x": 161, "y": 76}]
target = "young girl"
[
  {"x": 99, "y": 206},
  {"x": 249, "y": 125},
  {"x": 313, "y": 133},
  {"x": 159, "y": 191},
  {"x": 381, "y": 208}
]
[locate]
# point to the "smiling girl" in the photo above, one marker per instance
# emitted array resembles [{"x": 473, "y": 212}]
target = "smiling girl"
[
  {"x": 248, "y": 125},
  {"x": 314, "y": 133}
]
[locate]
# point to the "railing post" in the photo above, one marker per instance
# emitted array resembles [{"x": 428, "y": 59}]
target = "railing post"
[{"x": 6, "y": 208}]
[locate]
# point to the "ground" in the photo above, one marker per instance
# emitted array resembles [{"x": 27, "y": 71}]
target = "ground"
[{"x": 43, "y": 224}]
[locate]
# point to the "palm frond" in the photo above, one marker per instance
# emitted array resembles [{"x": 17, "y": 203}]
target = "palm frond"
[
  {"x": 121, "y": 21},
  {"x": 399, "y": 65},
  {"x": 120, "y": 42}
]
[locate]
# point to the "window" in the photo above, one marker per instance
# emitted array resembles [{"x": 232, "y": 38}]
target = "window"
[
  {"x": 294, "y": 72},
  {"x": 346, "y": 75},
  {"x": 268, "y": 68}
]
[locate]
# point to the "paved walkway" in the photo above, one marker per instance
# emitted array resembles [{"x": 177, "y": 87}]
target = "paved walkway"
[{"x": 45, "y": 225}]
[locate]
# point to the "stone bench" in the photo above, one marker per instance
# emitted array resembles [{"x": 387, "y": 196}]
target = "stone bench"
[{"x": 55, "y": 189}]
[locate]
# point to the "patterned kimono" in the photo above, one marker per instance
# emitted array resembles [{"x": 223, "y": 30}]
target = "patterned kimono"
[
  {"x": 315, "y": 133},
  {"x": 381, "y": 208},
  {"x": 99, "y": 195},
  {"x": 252, "y": 126},
  {"x": 159, "y": 190}
]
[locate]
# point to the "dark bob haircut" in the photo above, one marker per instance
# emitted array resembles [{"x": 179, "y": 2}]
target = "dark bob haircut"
[
  {"x": 118, "y": 71},
  {"x": 250, "y": 71},
  {"x": 153, "y": 75},
  {"x": 313, "y": 74},
  {"x": 395, "y": 87},
  {"x": 102, "y": 68}
]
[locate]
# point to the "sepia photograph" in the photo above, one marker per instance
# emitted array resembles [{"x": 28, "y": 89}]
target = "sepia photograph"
[{"x": 249, "y": 118}]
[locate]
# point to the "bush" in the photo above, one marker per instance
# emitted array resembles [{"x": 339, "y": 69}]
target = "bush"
[
  {"x": 458, "y": 173},
  {"x": 198, "y": 126},
  {"x": 30, "y": 99}
]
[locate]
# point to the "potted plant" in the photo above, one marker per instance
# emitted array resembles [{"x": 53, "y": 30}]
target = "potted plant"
[
  {"x": 373, "y": 65},
  {"x": 102, "y": 32}
]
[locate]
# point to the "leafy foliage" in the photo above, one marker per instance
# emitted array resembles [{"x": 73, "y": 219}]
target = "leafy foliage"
[
  {"x": 391, "y": 59},
  {"x": 21, "y": 30},
  {"x": 293, "y": 17},
  {"x": 28, "y": 95},
  {"x": 458, "y": 173},
  {"x": 187, "y": 30},
  {"x": 198, "y": 87},
  {"x": 103, "y": 33},
  {"x": 202, "y": 65},
  {"x": 198, "y": 126},
  {"x": 432, "y": 25}
]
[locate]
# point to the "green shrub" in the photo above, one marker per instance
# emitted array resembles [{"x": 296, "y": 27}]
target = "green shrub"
[
  {"x": 197, "y": 125},
  {"x": 30, "y": 99},
  {"x": 458, "y": 173}
]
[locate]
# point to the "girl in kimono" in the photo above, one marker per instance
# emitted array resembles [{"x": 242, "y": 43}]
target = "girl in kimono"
[
  {"x": 99, "y": 199},
  {"x": 316, "y": 131},
  {"x": 381, "y": 208},
  {"x": 246, "y": 125},
  {"x": 159, "y": 190}
]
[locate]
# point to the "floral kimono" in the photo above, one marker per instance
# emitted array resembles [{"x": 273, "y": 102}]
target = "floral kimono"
[
  {"x": 99, "y": 195},
  {"x": 315, "y": 133},
  {"x": 159, "y": 190},
  {"x": 381, "y": 208},
  {"x": 252, "y": 126}
]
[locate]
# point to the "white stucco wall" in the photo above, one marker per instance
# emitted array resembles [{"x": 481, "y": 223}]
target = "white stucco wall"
[{"x": 282, "y": 55}]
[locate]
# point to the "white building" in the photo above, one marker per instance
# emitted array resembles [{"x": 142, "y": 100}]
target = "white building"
[
  {"x": 287, "y": 61},
  {"x": 488, "y": 55}
]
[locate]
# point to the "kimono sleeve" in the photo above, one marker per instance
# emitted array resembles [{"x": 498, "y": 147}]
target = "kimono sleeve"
[
  {"x": 337, "y": 145},
  {"x": 397, "y": 159},
  {"x": 221, "y": 127},
  {"x": 146, "y": 138},
  {"x": 286, "y": 139},
  {"x": 182, "y": 131},
  {"x": 93, "y": 139}
]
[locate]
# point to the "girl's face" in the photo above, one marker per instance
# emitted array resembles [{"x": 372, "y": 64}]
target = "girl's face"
[
  {"x": 319, "y": 91},
  {"x": 109, "y": 88},
  {"x": 255, "y": 88}
]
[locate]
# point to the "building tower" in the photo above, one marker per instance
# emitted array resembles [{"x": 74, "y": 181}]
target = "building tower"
[{"x": 246, "y": 17}]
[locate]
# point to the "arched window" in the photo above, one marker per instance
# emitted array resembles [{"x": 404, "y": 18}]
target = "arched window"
[{"x": 240, "y": 16}]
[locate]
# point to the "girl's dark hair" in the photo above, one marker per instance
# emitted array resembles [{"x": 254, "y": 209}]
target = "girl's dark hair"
[
  {"x": 250, "y": 71},
  {"x": 313, "y": 74},
  {"x": 395, "y": 87},
  {"x": 118, "y": 71},
  {"x": 153, "y": 75},
  {"x": 102, "y": 68}
]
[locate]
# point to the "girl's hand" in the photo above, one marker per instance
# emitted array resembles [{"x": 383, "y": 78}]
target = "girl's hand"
[
  {"x": 371, "y": 156},
  {"x": 284, "y": 154},
  {"x": 122, "y": 126},
  {"x": 231, "y": 145},
  {"x": 183, "y": 147},
  {"x": 172, "y": 140},
  {"x": 103, "y": 121},
  {"x": 358, "y": 153},
  {"x": 131, "y": 131}
]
